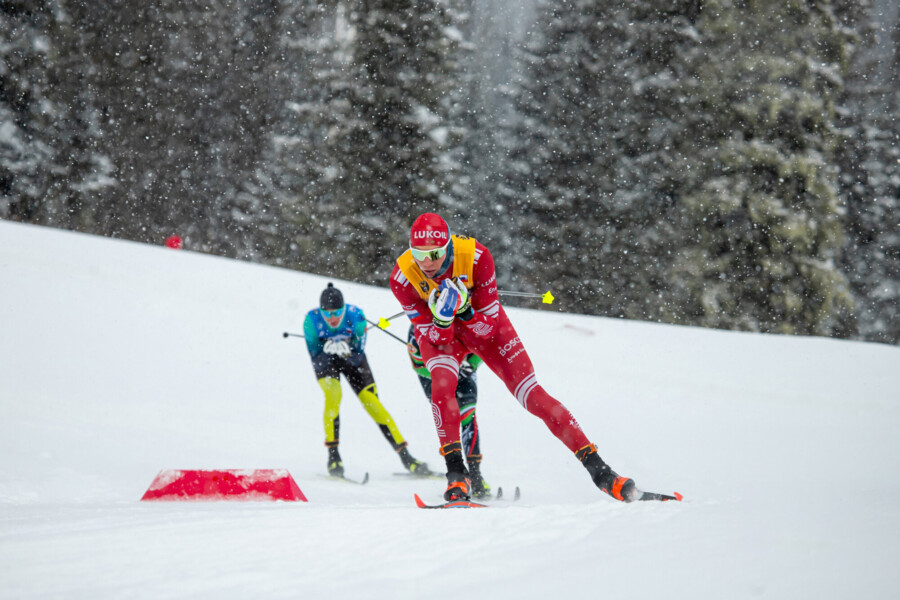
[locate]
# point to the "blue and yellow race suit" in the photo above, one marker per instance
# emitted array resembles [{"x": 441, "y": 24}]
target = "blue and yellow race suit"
[{"x": 354, "y": 366}]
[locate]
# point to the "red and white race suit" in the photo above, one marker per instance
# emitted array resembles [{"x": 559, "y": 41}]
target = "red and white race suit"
[{"x": 490, "y": 335}]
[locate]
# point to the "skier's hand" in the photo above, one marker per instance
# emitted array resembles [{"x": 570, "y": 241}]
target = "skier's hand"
[
  {"x": 341, "y": 348},
  {"x": 464, "y": 311},
  {"x": 466, "y": 369},
  {"x": 443, "y": 302}
]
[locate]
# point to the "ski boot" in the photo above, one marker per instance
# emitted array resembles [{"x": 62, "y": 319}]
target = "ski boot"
[
  {"x": 416, "y": 467},
  {"x": 480, "y": 487},
  {"x": 610, "y": 482},
  {"x": 459, "y": 487},
  {"x": 335, "y": 466}
]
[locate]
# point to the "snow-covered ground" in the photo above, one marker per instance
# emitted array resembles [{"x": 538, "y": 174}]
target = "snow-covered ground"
[{"x": 118, "y": 360}]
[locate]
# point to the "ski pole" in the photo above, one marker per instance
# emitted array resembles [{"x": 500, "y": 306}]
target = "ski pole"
[
  {"x": 373, "y": 324},
  {"x": 383, "y": 323},
  {"x": 546, "y": 297},
  {"x": 387, "y": 332}
]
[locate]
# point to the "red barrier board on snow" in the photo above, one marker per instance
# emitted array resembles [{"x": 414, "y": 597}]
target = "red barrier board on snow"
[{"x": 228, "y": 484}]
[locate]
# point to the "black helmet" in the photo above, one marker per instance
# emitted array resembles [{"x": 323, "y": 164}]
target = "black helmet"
[{"x": 331, "y": 298}]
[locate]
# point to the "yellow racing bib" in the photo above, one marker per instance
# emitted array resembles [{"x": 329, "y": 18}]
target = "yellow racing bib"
[{"x": 463, "y": 266}]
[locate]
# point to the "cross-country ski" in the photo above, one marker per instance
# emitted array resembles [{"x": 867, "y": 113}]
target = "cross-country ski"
[
  {"x": 345, "y": 479},
  {"x": 451, "y": 504}
]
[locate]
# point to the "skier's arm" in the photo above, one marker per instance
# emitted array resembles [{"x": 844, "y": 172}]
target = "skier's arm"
[
  {"x": 314, "y": 345},
  {"x": 418, "y": 312},
  {"x": 483, "y": 297},
  {"x": 359, "y": 333}
]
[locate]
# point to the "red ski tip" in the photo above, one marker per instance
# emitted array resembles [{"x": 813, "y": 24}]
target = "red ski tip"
[
  {"x": 452, "y": 504},
  {"x": 678, "y": 496}
]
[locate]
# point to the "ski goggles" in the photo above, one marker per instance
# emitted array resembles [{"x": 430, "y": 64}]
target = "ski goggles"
[
  {"x": 433, "y": 254},
  {"x": 331, "y": 314}
]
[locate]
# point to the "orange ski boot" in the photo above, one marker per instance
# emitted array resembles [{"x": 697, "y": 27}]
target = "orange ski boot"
[{"x": 610, "y": 482}]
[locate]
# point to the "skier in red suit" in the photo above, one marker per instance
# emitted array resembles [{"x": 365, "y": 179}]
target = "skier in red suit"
[{"x": 448, "y": 289}]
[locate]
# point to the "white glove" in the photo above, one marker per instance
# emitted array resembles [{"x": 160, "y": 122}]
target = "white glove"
[
  {"x": 341, "y": 348},
  {"x": 464, "y": 305},
  {"x": 444, "y": 302}
]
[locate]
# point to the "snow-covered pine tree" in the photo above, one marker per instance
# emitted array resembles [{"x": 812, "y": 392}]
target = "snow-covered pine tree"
[
  {"x": 52, "y": 171},
  {"x": 492, "y": 29},
  {"x": 300, "y": 161},
  {"x": 391, "y": 132},
  {"x": 869, "y": 160},
  {"x": 592, "y": 172},
  {"x": 184, "y": 103},
  {"x": 761, "y": 202}
]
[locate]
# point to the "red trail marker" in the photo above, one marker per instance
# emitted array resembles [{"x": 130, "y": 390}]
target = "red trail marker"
[{"x": 229, "y": 484}]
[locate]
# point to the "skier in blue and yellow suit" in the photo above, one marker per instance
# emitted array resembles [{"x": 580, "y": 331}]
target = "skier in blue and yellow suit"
[{"x": 336, "y": 338}]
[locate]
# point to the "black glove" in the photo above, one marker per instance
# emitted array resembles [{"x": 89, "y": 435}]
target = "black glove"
[{"x": 466, "y": 369}]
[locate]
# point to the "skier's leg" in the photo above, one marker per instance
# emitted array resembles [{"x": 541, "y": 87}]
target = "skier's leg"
[
  {"x": 332, "y": 388},
  {"x": 443, "y": 364},
  {"x": 505, "y": 355},
  {"x": 426, "y": 387},
  {"x": 369, "y": 398},
  {"x": 359, "y": 376},
  {"x": 362, "y": 382},
  {"x": 467, "y": 397}
]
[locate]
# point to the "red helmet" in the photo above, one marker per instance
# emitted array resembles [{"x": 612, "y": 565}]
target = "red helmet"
[{"x": 429, "y": 229}]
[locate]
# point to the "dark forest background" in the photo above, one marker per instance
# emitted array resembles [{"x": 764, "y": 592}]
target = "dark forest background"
[{"x": 723, "y": 163}]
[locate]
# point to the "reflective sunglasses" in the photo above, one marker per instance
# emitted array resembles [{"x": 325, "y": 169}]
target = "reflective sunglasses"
[
  {"x": 331, "y": 314},
  {"x": 433, "y": 254}
]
